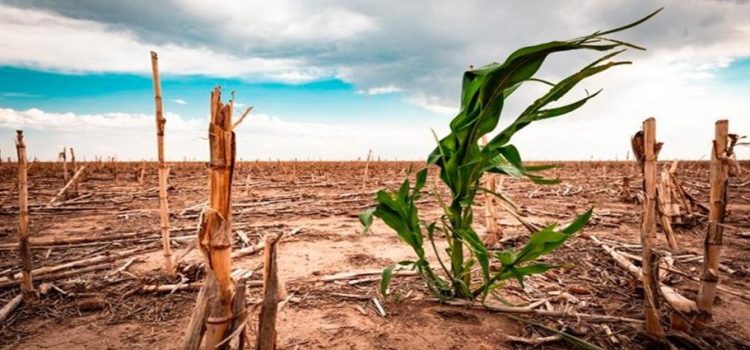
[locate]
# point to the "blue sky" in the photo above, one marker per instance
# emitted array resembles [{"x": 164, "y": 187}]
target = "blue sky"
[
  {"x": 332, "y": 99},
  {"x": 336, "y": 79},
  {"x": 737, "y": 74}
]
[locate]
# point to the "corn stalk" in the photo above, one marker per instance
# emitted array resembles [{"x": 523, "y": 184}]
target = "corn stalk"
[
  {"x": 27, "y": 286},
  {"x": 163, "y": 169},
  {"x": 463, "y": 162},
  {"x": 215, "y": 229},
  {"x": 646, "y": 150},
  {"x": 721, "y": 154}
]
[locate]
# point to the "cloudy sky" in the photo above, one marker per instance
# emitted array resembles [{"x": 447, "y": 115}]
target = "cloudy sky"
[{"x": 332, "y": 79}]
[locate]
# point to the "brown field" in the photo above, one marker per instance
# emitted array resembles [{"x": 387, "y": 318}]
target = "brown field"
[{"x": 105, "y": 307}]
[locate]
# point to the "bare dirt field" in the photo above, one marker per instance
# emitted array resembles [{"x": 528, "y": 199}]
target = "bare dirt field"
[{"x": 114, "y": 222}]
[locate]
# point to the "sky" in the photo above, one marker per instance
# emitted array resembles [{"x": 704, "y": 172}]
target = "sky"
[{"x": 330, "y": 80}]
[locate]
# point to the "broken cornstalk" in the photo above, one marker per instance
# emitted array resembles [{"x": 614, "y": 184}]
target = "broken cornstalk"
[
  {"x": 64, "y": 156},
  {"x": 215, "y": 228},
  {"x": 142, "y": 173},
  {"x": 493, "y": 235},
  {"x": 367, "y": 169},
  {"x": 196, "y": 327},
  {"x": 267, "y": 319},
  {"x": 667, "y": 208},
  {"x": 72, "y": 183},
  {"x": 163, "y": 169},
  {"x": 719, "y": 173},
  {"x": 27, "y": 286},
  {"x": 73, "y": 191},
  {"x": 646, "y": 150},
  {"x": 10, "y": 306}
]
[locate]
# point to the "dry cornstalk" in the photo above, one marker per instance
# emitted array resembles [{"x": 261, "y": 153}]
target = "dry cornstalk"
[
  {"x": 367, "y": 168},
  {"x": 80, "y": 241},
  {"x": 261, "y": 245},
  {"x": 239, "y": 322},
  {"x": 74, "y": 190},
  {"x": 142, "y": 173},
  {"x": 646, "y": 149},
  {"x": 529, "y": 310},
  {"x": 9, "y": 195},
  {"x": 68, "y": 185},
  {"x": 64, "y": 156},
  {"x": 667, "y": 208},
  {"x": 72, "y": 158},
  {"x": 197, "y": 324},
  {"x": 533, "y": 341},
  {"x": 163, "y": 169},
  {"x": 719, "y": 173},
  {"x": 215, "y": 228},
  {"x": 9, "y": 307},
  {"x": 493, "y": 234},
  {"x": 675, "y": 299},
  {"x": 267, "y": 319},
  {"x": 59, "y": 275},
  {"x": 672, "y": 269},
  {"x": 170, "y": 288},
  {"x": 348, "y": 275},
  {"x": 679, "y": 190},
  {"x": 27, "y": 286},
  {"x": 115, "y": 168},
  {"x": 50, "y": 270}
]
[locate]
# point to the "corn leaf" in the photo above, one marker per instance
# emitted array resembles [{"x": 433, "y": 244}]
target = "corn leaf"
[{"x": 385, "y": 280}]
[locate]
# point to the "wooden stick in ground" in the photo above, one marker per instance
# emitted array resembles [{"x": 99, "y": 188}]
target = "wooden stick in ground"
[
  {"x": 215, "y": 228},
  {"x": 267, "y": 320},
  {"x": 163, "y": 169},
  {"x": 27, "y": 286},
  {"x": 67, "y": 186},
  {"x": 646, "y": 150},
  {"x": 719, "y": 172}
]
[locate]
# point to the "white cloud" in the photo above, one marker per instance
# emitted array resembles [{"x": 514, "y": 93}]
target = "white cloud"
[
  {"x": 291, "y": 21},
  {"x": 434, "y": 104},
  {"x": 380, "y": 90},
  {"x": 260, "y": 136},
  {"x": 179, "y": 101},
  {"x": 684, "y": 103},
  {"x": 45, "y": 40}
]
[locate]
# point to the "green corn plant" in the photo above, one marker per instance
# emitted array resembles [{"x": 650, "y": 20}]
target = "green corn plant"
[{"x": 462, "y": 163}]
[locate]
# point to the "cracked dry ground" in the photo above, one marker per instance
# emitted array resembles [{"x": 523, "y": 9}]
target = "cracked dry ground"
[{"x": 106, "y": 309}]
